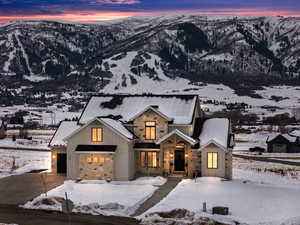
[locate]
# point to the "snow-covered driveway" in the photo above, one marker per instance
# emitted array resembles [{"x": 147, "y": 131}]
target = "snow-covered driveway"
[{"x": 248, "y": 201}]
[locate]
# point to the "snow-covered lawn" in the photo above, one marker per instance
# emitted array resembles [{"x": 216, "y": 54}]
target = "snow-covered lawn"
[
  {"x": 101, "y": 197},
  {"x": 257, "y": 194},
  {"x": 249, "y": 201},
  {"x": 13, "y": 162}
]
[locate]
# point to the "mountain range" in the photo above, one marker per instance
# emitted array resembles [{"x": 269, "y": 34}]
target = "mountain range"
[{"x": 242, "y": 52}]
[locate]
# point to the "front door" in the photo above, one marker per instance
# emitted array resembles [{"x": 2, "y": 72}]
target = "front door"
[
  {"x": 61, "y": 163},
  {"x": 179, "y": 160}
]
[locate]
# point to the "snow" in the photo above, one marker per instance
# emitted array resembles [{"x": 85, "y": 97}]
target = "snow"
[
  {"x": 295, "y": 133},
  {"x": 215, "y": 130},
  {"x": 36, "y": 78},
  {"x": 118, "y": 126},
  {"x": 95, "y": 197},
  {"x": 219, "y": 57},
  {"x": 65, "y": 129},
  {"x": 25, "y": 161},
  {"x": 145, "y": 84},
  {"x": 180, "y": 134},
  {"x": 39, "y": 142},
  {"x": 179, "y": 109},
  {"x": 263, "y": 201}
]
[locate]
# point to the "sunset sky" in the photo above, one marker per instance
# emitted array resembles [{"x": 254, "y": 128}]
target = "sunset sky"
[{"x": 97, "y": 10}]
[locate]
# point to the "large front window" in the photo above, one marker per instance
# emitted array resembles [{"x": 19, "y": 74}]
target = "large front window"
[
  {"x": 97, "y": 135},
  {"x": 149, "y": 159},
  {"x": 150, "y": 130},
  {"x": 212, "y": 160}
]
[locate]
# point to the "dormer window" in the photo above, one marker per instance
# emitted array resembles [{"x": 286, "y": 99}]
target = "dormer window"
[
  {"x": 97, "y": 134},
  {"x": 150, "y": 130}
]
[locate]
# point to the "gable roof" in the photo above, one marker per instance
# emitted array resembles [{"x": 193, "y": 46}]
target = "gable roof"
[
  {"x": 154, "y": 109},
  {"x": 189, "y": 139},
  {"x": 217, "y": 130},
  {"x": 288, "y": 137},
  {"x": 65, "y": 129},
  {"x": 124, "y": 107},
  {"x": 114, "y": 125},
  {"x": 215, "y": 143}
]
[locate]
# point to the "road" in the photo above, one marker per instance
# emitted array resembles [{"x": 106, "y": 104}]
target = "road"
[{"x": 14, "y": 214}]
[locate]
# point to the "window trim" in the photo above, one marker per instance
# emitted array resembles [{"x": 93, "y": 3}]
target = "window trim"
[
  {"x": 214, "y": 168},
  {"x": 101, "y": 129},
  {"x": 145, "y": 162},
  {"x": 150, "y": 130}
]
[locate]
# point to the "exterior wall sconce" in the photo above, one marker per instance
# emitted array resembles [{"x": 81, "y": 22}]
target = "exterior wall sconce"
[
  {"x": 171, "y": 155},
  {"x": 53, "y": 156},
  {"x": 186, "y": 155}
]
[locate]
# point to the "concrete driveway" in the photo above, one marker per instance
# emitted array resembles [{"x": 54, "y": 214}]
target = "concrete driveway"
[{"x": 19, "y": 189}]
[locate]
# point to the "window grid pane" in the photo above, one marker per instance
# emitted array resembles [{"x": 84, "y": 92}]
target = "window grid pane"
[
  {"x": 96, "y": 134},
  {"x": 212, "y": 160},
  {"x": 150, "y": 130}
]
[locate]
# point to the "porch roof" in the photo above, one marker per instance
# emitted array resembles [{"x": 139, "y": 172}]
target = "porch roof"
[
  {"x": 146, "y": 146},
  {"x": 179, "y": 133},
  {"x": 96, "y": 148}
]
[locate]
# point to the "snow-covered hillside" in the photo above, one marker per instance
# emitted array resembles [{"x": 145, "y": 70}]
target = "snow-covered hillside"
[{"x": 222, "y": 45}]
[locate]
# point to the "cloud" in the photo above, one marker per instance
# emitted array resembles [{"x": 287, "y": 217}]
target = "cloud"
[{"x": 115, "y": 2}]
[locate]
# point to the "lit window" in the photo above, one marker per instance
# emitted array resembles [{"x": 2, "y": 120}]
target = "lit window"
[
  {"x": 89, "y": 159},
  {"x": 101, "y": 160},
  {"x": 149, "y": 159},
  {"x": 212, "y": 160},
  {"x": 150, "y": 130},
  {"x": 97, "y": 135},
  {"x": 95, "y": 159}
]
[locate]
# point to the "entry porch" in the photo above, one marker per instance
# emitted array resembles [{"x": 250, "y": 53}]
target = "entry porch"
[{"x": 174, "y": 154}]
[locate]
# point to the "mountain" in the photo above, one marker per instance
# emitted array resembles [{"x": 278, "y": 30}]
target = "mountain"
[{"x": 141, "y": 53}]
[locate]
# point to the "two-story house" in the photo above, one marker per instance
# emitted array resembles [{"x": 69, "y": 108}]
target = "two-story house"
[{"x": 119, "y": 137}]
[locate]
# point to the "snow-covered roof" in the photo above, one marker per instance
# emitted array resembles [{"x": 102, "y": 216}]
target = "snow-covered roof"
[
  {"x": 286, "y": 136},
  {"x": 118, "y": 126},
  {"x": 65, "y": 128},
  {"x": 216, "y": 130},
  {"x": 180, "y": 134},
  {"x": 114, "y": 125},
  {"x": 178, "y": 107}
]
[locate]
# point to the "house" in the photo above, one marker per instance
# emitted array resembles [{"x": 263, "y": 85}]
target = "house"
[
  {"x": 119, "y": 137},
  {"x": 283, "y": 143}
]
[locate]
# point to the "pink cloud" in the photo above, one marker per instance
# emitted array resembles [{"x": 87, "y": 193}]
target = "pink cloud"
[{"x": 115, "y": 2}]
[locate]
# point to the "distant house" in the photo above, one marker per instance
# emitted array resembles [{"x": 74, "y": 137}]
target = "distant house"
[
  {"x": 119, "y": 137},
  {"x": 283, "y": 143}
]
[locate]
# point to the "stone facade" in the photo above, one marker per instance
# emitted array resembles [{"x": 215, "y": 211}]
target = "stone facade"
[
  {"x": 167, "y": 159},
  {"x": 150, "y": 115},
  {"x": 89, "y": 170}
]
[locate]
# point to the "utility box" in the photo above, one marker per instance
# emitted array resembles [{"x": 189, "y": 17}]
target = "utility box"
[{"x": 220, "y": 210}]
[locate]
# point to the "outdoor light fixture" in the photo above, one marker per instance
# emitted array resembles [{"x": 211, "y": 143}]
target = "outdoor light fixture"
[
  {"x": 53, "y": 156},
  {"x": 171, "y": 155},
  {"x": 186, "y": 155}
]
